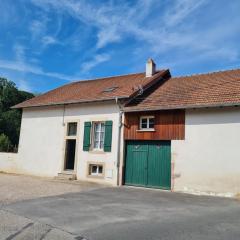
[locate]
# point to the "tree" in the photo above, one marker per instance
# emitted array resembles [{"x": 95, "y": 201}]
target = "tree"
[
  {"x": 10, "y": 119},
  {"x": 5, "y": 143}
]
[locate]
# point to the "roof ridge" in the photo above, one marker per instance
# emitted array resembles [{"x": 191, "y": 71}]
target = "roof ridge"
[
  {"x": 113, "y": 76},
  {"x": 207, "y": 73},
  {"x": 87, "y": 80},
  {"x": 100, "y": 78}
]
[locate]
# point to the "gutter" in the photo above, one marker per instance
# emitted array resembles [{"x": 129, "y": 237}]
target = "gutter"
[
  {"x": 183, "y": 107},
  {"x": 119, "y": 139},
  {"x": 68, "y": 103}
]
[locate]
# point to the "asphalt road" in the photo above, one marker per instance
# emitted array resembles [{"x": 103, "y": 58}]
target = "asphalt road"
[{"x": 122, "y": 214}]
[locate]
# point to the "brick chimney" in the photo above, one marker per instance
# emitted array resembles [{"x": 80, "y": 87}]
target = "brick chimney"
[{"x": 150, "y": 68}]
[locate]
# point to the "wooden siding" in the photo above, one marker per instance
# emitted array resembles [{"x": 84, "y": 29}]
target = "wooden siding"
[{"x": 169, "y": 125}]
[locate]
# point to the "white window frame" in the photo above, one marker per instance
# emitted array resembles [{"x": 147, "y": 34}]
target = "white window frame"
[
  {"x": 67, "y": 130},
  {"x": 148, "y": 118},
  {"x": 97, "y": 173},
  {"x": 99, "y": 140}
]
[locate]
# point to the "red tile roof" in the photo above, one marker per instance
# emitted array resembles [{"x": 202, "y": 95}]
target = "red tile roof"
[
  {"x": 202, "y": 90},
  {"x": 95, "y": 90}
]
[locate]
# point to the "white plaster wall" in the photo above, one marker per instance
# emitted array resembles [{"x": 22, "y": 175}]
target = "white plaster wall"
[
  {"x": 208, "y": 160},
  {"x": 41, "y": 148},
  {"x": 96, "y": 112},
  {"x": 41, "y": 141},
  {"x": 8, "y": 162}
]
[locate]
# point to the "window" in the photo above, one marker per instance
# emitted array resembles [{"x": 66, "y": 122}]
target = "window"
[
  {"x": 98, "y": 135},
  {"x": 95, "y": 169},
  {"x": 110, "y": 89},
  {"x": 147, "y": 122},
  {"x": 72, "y": 129}
]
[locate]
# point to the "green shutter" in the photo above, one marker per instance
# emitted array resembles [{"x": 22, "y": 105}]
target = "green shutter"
[
  {"x": 108, "y": 136},
  {"x": 87, "y": 136}
]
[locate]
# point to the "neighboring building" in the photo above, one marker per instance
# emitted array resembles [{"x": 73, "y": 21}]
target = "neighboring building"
[{"x": 145, "y": 129}]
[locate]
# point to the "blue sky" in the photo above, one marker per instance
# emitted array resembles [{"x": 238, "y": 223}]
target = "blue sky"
[{"x": 48, "y": 43}]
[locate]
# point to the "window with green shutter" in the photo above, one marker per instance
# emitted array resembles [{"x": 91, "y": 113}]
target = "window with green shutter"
[
  {"x": 108, "y": 136},
  {"x": 98, "y": 130},
  {"x": 87, "y": 136}
]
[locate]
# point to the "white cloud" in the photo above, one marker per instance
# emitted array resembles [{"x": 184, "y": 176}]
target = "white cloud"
[
  {"x": 24, "y": 85},
  {"x": 112, "y": 21},
  {"x": 115, "y": 22},
  {"x": 28, "y": 68},
  {"x": 170, "y": 30},
  {"x": 21, "y": 64},
  {"x": 19, "y": 52},
  {"x": 151, "y": 26},
  {"x": 38, "y": 28},
  {"x": 48, "y": 40},
  {"x": 180, "y": 10},
  {"x": 100, "y": 58},
  {"x": 39, "y": 31}
]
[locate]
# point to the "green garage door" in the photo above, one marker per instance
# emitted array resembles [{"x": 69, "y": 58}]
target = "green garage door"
[{"x": 148, "y": 163}]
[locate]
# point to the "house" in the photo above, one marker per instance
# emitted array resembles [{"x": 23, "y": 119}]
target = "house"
[
  {"x": 75, "y": 131},
  {"x": 145, "y": 129}
]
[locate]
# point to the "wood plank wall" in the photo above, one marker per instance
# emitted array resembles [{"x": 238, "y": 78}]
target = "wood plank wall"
[{"x": 169, "y": 125}]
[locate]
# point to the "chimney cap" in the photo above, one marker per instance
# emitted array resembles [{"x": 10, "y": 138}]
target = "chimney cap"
[{"x": 150, "y": 60}]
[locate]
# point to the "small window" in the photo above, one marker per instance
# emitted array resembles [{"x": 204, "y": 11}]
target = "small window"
[
  {"x": 95, "y": 169},
  {"x": 98, "y": 135},
  {"x": 72, "y": 129},
  {"x": 147, "y": 122}
]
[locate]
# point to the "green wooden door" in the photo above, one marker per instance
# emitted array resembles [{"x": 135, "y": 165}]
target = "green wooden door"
[
  {"x": 159, "y": 164},
  {"x": 136, "y": 168},
  {"x": 148, "y": 163}
]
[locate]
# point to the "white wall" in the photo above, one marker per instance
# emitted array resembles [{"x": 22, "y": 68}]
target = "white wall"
[
  {"x": 8, "y": 162},
  {"x": 97, "y": 112},
  {"x": 208, "y": 160},
  {"x": 41, "y": 141},
  {"x": 41, "y": 148}
]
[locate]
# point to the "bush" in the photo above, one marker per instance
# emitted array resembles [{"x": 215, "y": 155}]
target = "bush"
[{"x": 5, "y": 144}]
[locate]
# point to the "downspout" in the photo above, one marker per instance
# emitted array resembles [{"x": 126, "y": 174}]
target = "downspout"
[
  {"x": 119, "y": 139},
  {"x": 63, "y": 116}
]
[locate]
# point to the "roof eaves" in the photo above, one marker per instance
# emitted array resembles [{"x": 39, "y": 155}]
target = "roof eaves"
[
  {"x": 132, "y": 109},
  {"x": 67, "y": 103}
]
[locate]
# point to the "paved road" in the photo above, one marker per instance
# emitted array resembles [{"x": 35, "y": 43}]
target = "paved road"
[{"x": 126, "y": 213}]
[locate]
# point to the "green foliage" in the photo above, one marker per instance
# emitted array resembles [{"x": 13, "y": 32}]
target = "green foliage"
[
  {"x": 5, "y": 143},
  {"x": 10, "y": 119}
]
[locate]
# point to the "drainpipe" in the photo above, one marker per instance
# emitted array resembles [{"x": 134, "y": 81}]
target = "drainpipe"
[
  {"x": 63, "y": 116},
  {"x": 119, "y": 138}
]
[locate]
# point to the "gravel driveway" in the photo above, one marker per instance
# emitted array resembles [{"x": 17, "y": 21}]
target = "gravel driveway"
[
  {"x": 20, "y": 188},
  {"x": 15, "y": 187}
]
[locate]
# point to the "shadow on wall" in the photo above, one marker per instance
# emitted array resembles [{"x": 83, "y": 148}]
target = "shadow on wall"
[{"x": 73, "y": 110}]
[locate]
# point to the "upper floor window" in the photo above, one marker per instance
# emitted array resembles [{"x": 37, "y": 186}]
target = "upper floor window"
[
  {"x": 98, "y": 135},
  {"x": 147, "y": 123},
  {"x": 72, "y": 129}
]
